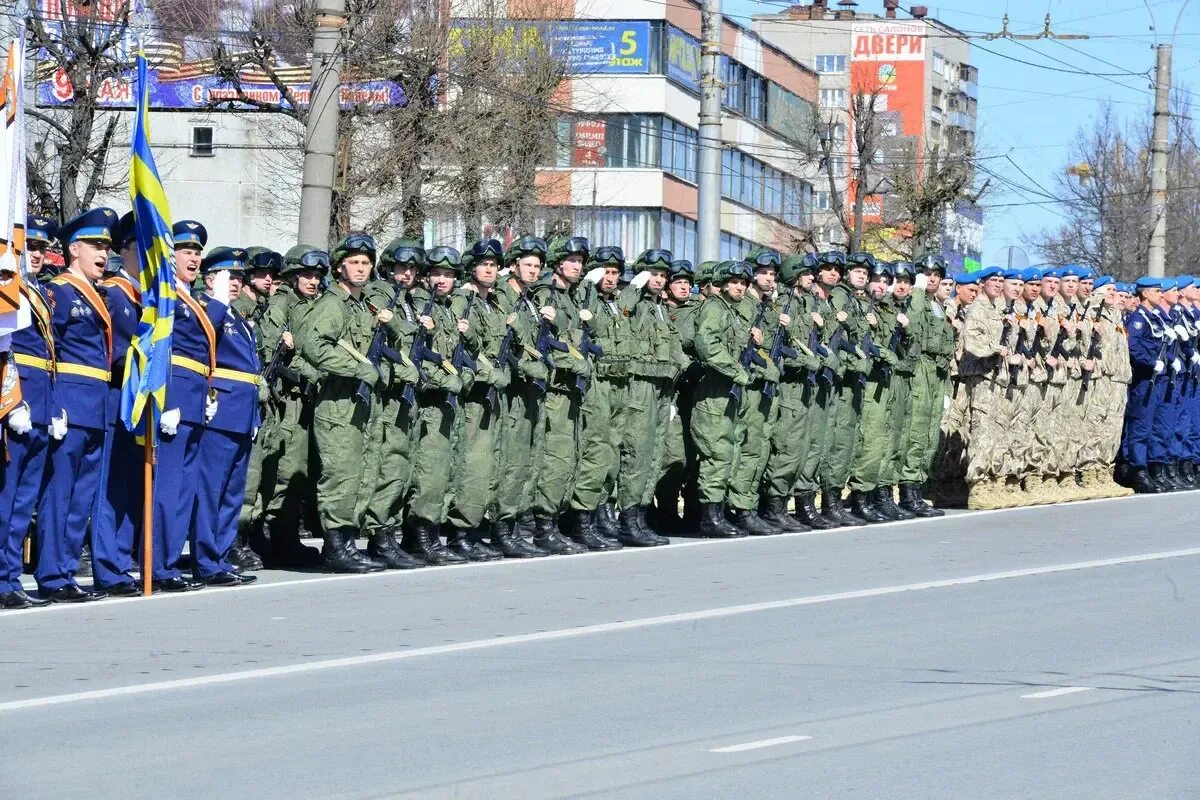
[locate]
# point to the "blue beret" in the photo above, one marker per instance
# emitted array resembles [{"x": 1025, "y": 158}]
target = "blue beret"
[
  {"x": 988, "y": 272},
  {"x": 188, "y": 231},
  {"x": 1167, "y": 284},
  {"x": 1184, "y": 281},
  {"x": 1103, "y": 280},
  {"x": 1071, "y": 271},
  {"x": 96, "y": 224},
  {"x": 1014, "y": 275},
  {"x": 1052, "y": 272},
  {"x": 40, "y": 229},
  {"x": 231, "y": 258},
  {"x": 1088, "y": 274},
  {"x": 968, "y": 278},
  {"x": 1147, "y": 282},
  {"x": 1031, "y": 274}
]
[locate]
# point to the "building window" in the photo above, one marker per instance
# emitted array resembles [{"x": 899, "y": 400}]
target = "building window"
[
  {"x": 202, "y": 141},
  {"x": 839, "y": 132},
  {"x": 833, "y": 98},
  {"x": 831, "y": 64},
  {"x": 679, "y": 150},
  {"x": 821, "y": 201},
  {"x": 679, "y": 235},
  {"x": 632, "y": 141}
]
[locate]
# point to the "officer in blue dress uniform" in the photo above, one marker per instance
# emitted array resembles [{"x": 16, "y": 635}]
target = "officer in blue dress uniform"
[
  {"x": 232, "y": 422},
  {"x": 1147, "y": 355},
  {"x": 26, "y": 438},
  {"x": 1189, "y": 436},
  {"x": 116, "y": 523},
  {"x": 193, "y": 358},
  {"x": 1178, "y": 446},
  {"x": 1168, "y": 409},
  {"x": 81, "y": 412}
]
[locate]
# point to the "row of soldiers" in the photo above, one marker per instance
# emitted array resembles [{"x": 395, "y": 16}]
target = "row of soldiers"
[{"x": 532, "y": 400}]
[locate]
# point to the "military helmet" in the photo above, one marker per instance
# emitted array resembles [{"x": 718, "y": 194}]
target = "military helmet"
[
  {"x": 932, "y": 262},
  {"x": 882, "y": 269},
  {"x": 861, "y": 259},
  {"x": 905, "y": 269},
  {"x": 732, "y": 269},
  {"x": 796, "y": 265},
  {"x": 763, "y": 257},
  {"x": 402, "y": 251},
  {"x": 681, "y": 268},
  {"x": 353, "y": 244},
  {"x": 481, "y": 251},
  {"x": 264, "y": 258},
  {"x": 654, "y": 258},
  {"x": 559, "y": 249},
  {"x": 704, "y": 273},
  {"x": 832, "y": 258},
  {"x": 444, "y": 258},
  {"x": 608, "y": 255},
  {"x": 304, "y": 256},
  {"x": 525, "y": 246}
]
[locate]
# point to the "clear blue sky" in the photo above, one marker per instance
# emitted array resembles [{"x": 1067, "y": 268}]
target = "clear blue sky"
[{"x": 1030, "y": 114}]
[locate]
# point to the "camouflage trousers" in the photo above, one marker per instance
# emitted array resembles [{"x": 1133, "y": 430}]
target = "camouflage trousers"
[
  {"x": 1104, "y": 417},
  {"x": 989, "y": 429}
]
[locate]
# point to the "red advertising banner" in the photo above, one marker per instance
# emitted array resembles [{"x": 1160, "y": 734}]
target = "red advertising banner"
[{"x": 589, "y": 143}]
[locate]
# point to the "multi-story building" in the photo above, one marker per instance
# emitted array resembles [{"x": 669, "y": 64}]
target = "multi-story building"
[
  {"x": 625, "y": 170},
  {"x": 919, "y": 70}
]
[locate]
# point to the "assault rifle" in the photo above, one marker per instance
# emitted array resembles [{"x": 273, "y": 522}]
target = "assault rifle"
[
  {"x": 1093, "y": 352},
  {"x": 817, "y": 346},
  {"x": 461, "y": 358},
  {"x": 589, "y": 350},
  {"x": 419, "y": 354},
  {"x": 276, "y": 368},
  {"x": 780, "y": 348},
  {"x": 750, "y": 356},
  {"x": 378, "y": 345}
]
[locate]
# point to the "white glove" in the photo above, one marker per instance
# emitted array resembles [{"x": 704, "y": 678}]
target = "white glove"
[
  {"x": 1170, "y": 333},
  {"x": 640, "y": 279},
  {"x": 1177, "y": 365},
  {"x": 594, "y": 275},
  {"x": 504, "y": 273},
  {"x": 254, "y": 434},
  {"x": 1159, "y": 367},
  {"x": 18, "y": 420},
  {"x": 210, "y": 409},
  {"x": 58, "y": 426},
  {"x": 921, "y": 281},
  {"x": 1182, "y": 332},
  {"x": 220, "y": 289},
  {"x": 1196, "y": 357},
  {"x": 168, "y": 423}
]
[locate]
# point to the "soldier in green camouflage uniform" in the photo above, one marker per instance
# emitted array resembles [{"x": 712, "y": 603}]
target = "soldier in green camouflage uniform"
[
  {"x": 440, "y": 383},
  {"x": 594, "y": 521},
  {"x": 655, "y": 361},
  {"x": 388, "y": 457},
  {"x": 334, "y": 340},
  {"x": 934, "y": 336},
  {"x": 473, "y": 478},
  {"x": 819, "y": 391},
  {"x": 264, "y": 267},
  {"x": 521, "y": 400},
  {"x": 721, "y": 333},
  {"x": 285, "y": 439},
  {"x": 906, "y": 345},
  {"x": 854, "y": 319},
  {"x": 874, "y": 446},
  {"x": 790, "y": 430},
  {"x": 556, "y": 434},
  {"x": 679, "y": 454}
]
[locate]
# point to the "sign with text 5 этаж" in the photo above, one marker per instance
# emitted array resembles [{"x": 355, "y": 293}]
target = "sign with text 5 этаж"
[{"x": 585, "y": 47}]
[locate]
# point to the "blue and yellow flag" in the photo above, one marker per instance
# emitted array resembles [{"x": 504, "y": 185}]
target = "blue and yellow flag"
[{"x": 149, "y": 361}]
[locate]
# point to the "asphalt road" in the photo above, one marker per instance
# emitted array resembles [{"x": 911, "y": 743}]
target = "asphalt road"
[{"x": 1040, "y": 653}]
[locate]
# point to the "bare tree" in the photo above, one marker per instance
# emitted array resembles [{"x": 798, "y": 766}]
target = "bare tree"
[
  {"x": 85, "y": 57},
  {"x": 1105, "y": 193},
  {"x": 925, "y": 189}
]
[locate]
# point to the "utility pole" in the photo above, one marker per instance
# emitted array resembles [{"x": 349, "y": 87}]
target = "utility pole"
[
  {"x": 321, "y": 129},
  {"x": 709, "y": 206},
  {"x": 1158, "y": 167}
]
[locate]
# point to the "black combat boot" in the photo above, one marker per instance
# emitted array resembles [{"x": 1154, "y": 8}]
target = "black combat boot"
[
  {"x": 910, "y": 501},
  {"x": 632, "y": 532},
  {"x": 284, "y": 550},
  {"x": 860, "y": 509},
  {"x": 930, "y": 508},
  {"x": 383, "y": 547},
  {"x": 807, "y": 514},
  {"x": 423, "y": 539},
  {"x": 483, "y": 551},
  {"x": 647, "y": 531},
  {"x": 606, "y": 522},
  {"x": 885, "y": 501},
  {"x": 507, "y": 544},
  {"x": 1158, "y": 478},
  {"x": 548, "y": 537},
  {"x": 748, "y": 521},
  {"x": 713, "y": 524},
  {"x": 833, "y": 510},
  {"x": 242, "y": 557},
  {"x": 1180, "y": 473},
  {"x": 462, "y": 542},
  {"x": 1142, "y": 481},
  {"x": 525, "y": 530},
  {"x": 773, "y": 511},
  {"x": 342, "y": 555},
  {"x": 581, "y": 528}
]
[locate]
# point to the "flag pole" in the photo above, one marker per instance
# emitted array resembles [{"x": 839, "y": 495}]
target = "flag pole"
[{"x": 148, "y": 508}]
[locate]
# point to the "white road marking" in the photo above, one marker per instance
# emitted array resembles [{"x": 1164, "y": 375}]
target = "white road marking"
[
  {"x": 955, "y": 515},
  {"x": 741, "y": 748},
  {"x": 571, "y": 633},
  {"x": 1057, "y": 692}
]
